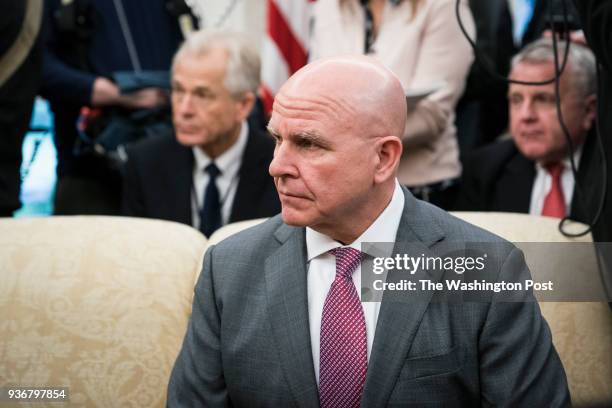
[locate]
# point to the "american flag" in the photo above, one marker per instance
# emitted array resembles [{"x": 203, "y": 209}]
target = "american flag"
[{"x": 285, "y": 45}]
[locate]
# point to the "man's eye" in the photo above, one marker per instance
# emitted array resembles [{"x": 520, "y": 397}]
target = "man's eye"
[
  {"x": 204, "y": 95},
  {"x": 549, "y": 99},
  {"x": 306, "y": 144},
  {"x": 515, "y": 100}
]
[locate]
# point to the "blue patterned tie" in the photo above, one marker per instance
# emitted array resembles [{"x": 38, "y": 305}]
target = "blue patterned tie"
[{"x": 210, "y": 213}]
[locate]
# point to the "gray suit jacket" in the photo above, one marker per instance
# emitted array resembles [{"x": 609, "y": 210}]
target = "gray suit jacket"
[{"x": 248, "y": 341}]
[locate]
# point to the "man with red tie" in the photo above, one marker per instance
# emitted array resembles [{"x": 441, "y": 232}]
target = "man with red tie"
[
  {"x": 278, "y": 317},
  {"x": 532, "y": 171}
]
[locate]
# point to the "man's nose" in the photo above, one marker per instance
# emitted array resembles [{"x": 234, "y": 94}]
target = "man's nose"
[
  {"x": 282, "y": 163},
  {"x": 527, "y": 111},
  {"x": 184, "y": 106}
]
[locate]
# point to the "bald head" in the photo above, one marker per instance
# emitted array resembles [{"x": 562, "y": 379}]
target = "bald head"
[
  {"x": 337, "y": 124},
  {"x": 356, "y": 90}
]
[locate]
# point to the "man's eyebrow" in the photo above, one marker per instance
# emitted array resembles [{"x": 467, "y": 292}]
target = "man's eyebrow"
[
  {"x": 544, "y": 93},
  {"x": 202, "y": 89},
  {"x": 304, "y": 136},
  {"x": 310, "y": 136},
  {"x": 272, "y": 132},
  {"x": 307, "y": 134},
  {"x": 196, "y": 89}
]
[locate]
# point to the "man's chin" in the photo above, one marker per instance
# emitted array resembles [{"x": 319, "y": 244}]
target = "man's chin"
[
  {"x": 533, "y": 153},
  {"x": 293, "y": 219},
  {"x": 189, "y": 140}
]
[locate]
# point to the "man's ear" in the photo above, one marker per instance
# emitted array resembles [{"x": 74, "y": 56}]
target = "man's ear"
[
  {"x": 389, "y": 151},
  {"x": 590, "y": 107},
  {"x": 245, "y": 104}
]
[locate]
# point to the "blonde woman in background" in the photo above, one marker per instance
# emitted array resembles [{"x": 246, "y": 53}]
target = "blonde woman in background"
[{"x": 421, "y": 42}]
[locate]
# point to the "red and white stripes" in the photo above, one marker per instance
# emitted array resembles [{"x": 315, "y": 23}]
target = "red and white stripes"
[{"x": 285, "y": 45}]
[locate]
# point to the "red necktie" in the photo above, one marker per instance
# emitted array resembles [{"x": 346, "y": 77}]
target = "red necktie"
[
  {"x": 554, "y": 203},
  {"x": 344, "y": 347}
]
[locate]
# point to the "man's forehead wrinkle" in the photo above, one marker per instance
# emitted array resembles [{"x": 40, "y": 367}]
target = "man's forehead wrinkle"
[{"x": 334, "y": 106}]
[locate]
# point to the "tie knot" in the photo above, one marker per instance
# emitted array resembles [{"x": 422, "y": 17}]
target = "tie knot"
[
  {"x": 212, "y": 170},
  {"x": 347, "y": 260},
  {"x": 554, "y": 169}
]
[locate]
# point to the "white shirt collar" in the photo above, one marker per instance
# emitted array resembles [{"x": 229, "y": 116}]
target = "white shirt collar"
[
  {"x": 229, "y": 161},
  {"x": 383, "y": 229}
]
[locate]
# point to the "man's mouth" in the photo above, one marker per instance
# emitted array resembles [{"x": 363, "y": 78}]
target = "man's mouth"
[
  {"x": 292, "y": 195},
  {"x": 531, "y": 134},
  {"x": 186, "y": 129}
]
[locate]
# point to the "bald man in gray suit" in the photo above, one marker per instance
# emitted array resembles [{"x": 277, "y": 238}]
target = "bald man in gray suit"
[{"x": 274, "y": 326}]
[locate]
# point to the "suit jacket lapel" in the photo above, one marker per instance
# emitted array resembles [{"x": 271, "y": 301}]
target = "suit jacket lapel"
[
  {"x": 515, "y": 185},
  {"x": 285, "y": 274},
  {"x": 286, "y": 286},
  {"x": 398, "y": 320},
  {"x": 252, "y": 175},
  {"x": 179, "y": 183}
]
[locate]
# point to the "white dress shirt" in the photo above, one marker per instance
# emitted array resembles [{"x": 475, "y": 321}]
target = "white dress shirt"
[
  {"x": 322, "y": 270},
  {"x": 543, "y": 183},
  {"x": 229, "y": 163}
]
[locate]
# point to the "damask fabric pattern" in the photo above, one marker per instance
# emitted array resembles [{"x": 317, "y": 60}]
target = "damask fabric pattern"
[
  {"x": 96, "y": 304},
  {"x": 582, "y": 335}
]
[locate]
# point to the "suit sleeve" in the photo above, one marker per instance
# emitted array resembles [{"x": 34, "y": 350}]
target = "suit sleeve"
[
  {"x": 518, "y": 362},
  {"x": 596, "y": 16},
  {"x": 445, "y": 56},
  {"x": 197, "y": 378},
  {"x": 61, "y": 82}
]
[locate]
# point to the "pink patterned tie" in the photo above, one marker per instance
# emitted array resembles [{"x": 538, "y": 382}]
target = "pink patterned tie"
[{"x": 344, "y": 353}]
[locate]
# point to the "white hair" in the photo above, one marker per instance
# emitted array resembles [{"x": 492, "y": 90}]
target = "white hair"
[
  {"x": 580, "y": 65},
  {"x": 243, "y": 66}
]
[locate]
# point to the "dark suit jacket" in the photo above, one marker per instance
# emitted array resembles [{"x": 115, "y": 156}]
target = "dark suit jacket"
[
  {"x": 248, "y": 341},
  {"x": 596, "y": 16},
  {"x": 159, "y": 172},
  {"x": 498, "y": 177}
]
